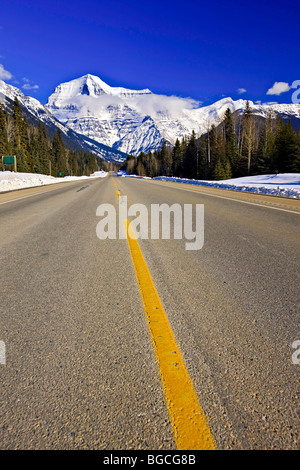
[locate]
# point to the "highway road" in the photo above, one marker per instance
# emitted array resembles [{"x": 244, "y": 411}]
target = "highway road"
[{"x": 82, "y": 367}]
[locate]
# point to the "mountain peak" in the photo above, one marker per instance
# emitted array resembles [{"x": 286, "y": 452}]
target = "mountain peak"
[
  {"x": 91, "y": 85},
  {"x": 136, "y": 120}
]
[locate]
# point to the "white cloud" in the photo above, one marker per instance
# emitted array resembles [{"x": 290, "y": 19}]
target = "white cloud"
[
  {"x": 5, "y": 74},
  {"x": 149, "y": 104},
  {"x": 278, "y": 88},
  {"x": 270, "y": 103},
  {"x": 240, "y": 91},
  {"x": 27, "y": 86}
]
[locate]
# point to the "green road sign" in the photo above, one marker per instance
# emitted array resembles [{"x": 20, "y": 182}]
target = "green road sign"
[{"x": 8, "y": 160}]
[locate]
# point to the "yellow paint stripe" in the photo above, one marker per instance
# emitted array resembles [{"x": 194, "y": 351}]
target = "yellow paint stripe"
[
  {"x": 189, "y": 423},
  {"x": 118, "y": 194}
]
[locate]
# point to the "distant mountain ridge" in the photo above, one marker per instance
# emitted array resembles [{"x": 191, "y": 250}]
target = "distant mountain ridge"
[
  {"x": 138, "y": 120},
  {"x": 113, "y": 122},
  {"x": 35, "y": 112}
]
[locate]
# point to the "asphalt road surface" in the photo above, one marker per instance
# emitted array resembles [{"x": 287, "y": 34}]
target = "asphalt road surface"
[{"x": 80, "y": 370}]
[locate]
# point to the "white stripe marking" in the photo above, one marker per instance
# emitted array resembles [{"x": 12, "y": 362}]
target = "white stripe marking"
[
  {"x": 30, "y": 195},
  {"x": 236, "y": 200}
]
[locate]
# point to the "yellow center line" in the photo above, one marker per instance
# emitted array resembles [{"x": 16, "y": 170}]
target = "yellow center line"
[
  {"x": 188, "y": 420},
  {"x": 117, "y": 192}
]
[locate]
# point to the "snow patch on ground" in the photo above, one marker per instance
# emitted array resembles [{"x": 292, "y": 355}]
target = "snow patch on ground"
[
  {"x": 10, "y": 181},
  {"x": 284, "y": 184}
]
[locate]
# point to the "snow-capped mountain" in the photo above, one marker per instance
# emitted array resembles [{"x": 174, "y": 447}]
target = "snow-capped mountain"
[
  {"x": 138, "y": 120},
  {"x": 112, "y": 122},
  {"x": 8, "y": 93},
  {"x": 36, "y": 112},
  {"x": 131, "y": 120},
  {"x": 109, "y": 115}
]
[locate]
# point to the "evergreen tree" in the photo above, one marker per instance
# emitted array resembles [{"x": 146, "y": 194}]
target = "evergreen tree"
[
  {"x": 219, "y": 171},
  {"x": 20, "y": 144},
  {"x": 165, "y": 159},
  {"x": 248, "y": 130},
  {"x": 177, "y": 159},
  {"x": 72, "y": 160},
  {"x": 286, "y": 147},
  {"x": 43, "y": 149},
  {"x": 59, "y": 155},
  {"x": 191, "y": 159},
  {"x": 3, "y": 132},
  {"x": 212, "y": 152},
  {"x": 34, "y": 150},
  {"x": 130, "y": 164},
  {"x": 140, "y": 167},
  {"x": 266, "y": 147},
  {"x": 231, "y": 149},
  {"x": 296, "y": 162}
]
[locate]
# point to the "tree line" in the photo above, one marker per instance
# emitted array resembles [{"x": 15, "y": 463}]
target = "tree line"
[
  {"x": 36, "y": 152},
  {"x": 241, "y": 145}
]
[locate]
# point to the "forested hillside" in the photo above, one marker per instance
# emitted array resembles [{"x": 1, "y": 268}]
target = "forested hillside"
[
  {"x": 243, "y": 144},
  {"x": 36, "y": 152}
]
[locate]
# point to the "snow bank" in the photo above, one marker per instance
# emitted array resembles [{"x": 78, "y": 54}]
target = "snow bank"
[
  {"x": 10, "y": 181},
  {"x": 285, "y": 184},
  {"x": 99, "y": 174}
]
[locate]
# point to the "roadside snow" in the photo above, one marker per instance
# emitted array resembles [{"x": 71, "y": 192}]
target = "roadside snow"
[
  {"x": 284, "y": 184},
  {"x": 10, "y": 181}
]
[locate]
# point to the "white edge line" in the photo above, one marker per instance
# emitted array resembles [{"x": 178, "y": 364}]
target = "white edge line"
[
  {"x": 235, "y": 200},
  {"x": 25, "y": 197},
  {"x": 31, "y": 195}
]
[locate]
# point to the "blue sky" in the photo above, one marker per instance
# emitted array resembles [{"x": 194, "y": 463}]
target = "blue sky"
[{"x": 203, "y": 50}]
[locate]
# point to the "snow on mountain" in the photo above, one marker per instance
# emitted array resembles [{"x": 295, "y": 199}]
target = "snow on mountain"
[
  {"x": 109, "y": 115},
  {"x": 89, "y": 85},
  {"x": 131, "y": 120},
  {"x": 33, "y": 106},
  {"x": 138, "y": 120},
  {"x": 115, "y": 121},
  {"x": 289, "y": 110},
  {"x": 36, "y": 112}
]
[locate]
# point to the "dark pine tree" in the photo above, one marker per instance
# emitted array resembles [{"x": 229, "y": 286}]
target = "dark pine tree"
[
  {"x": 4, "y": 146},
  {"x": 20, "y": 141},
  {"x": 286, "y": 147},
  {"x": 59, "y": 155},
  {"x": 231, "y": 149}
]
